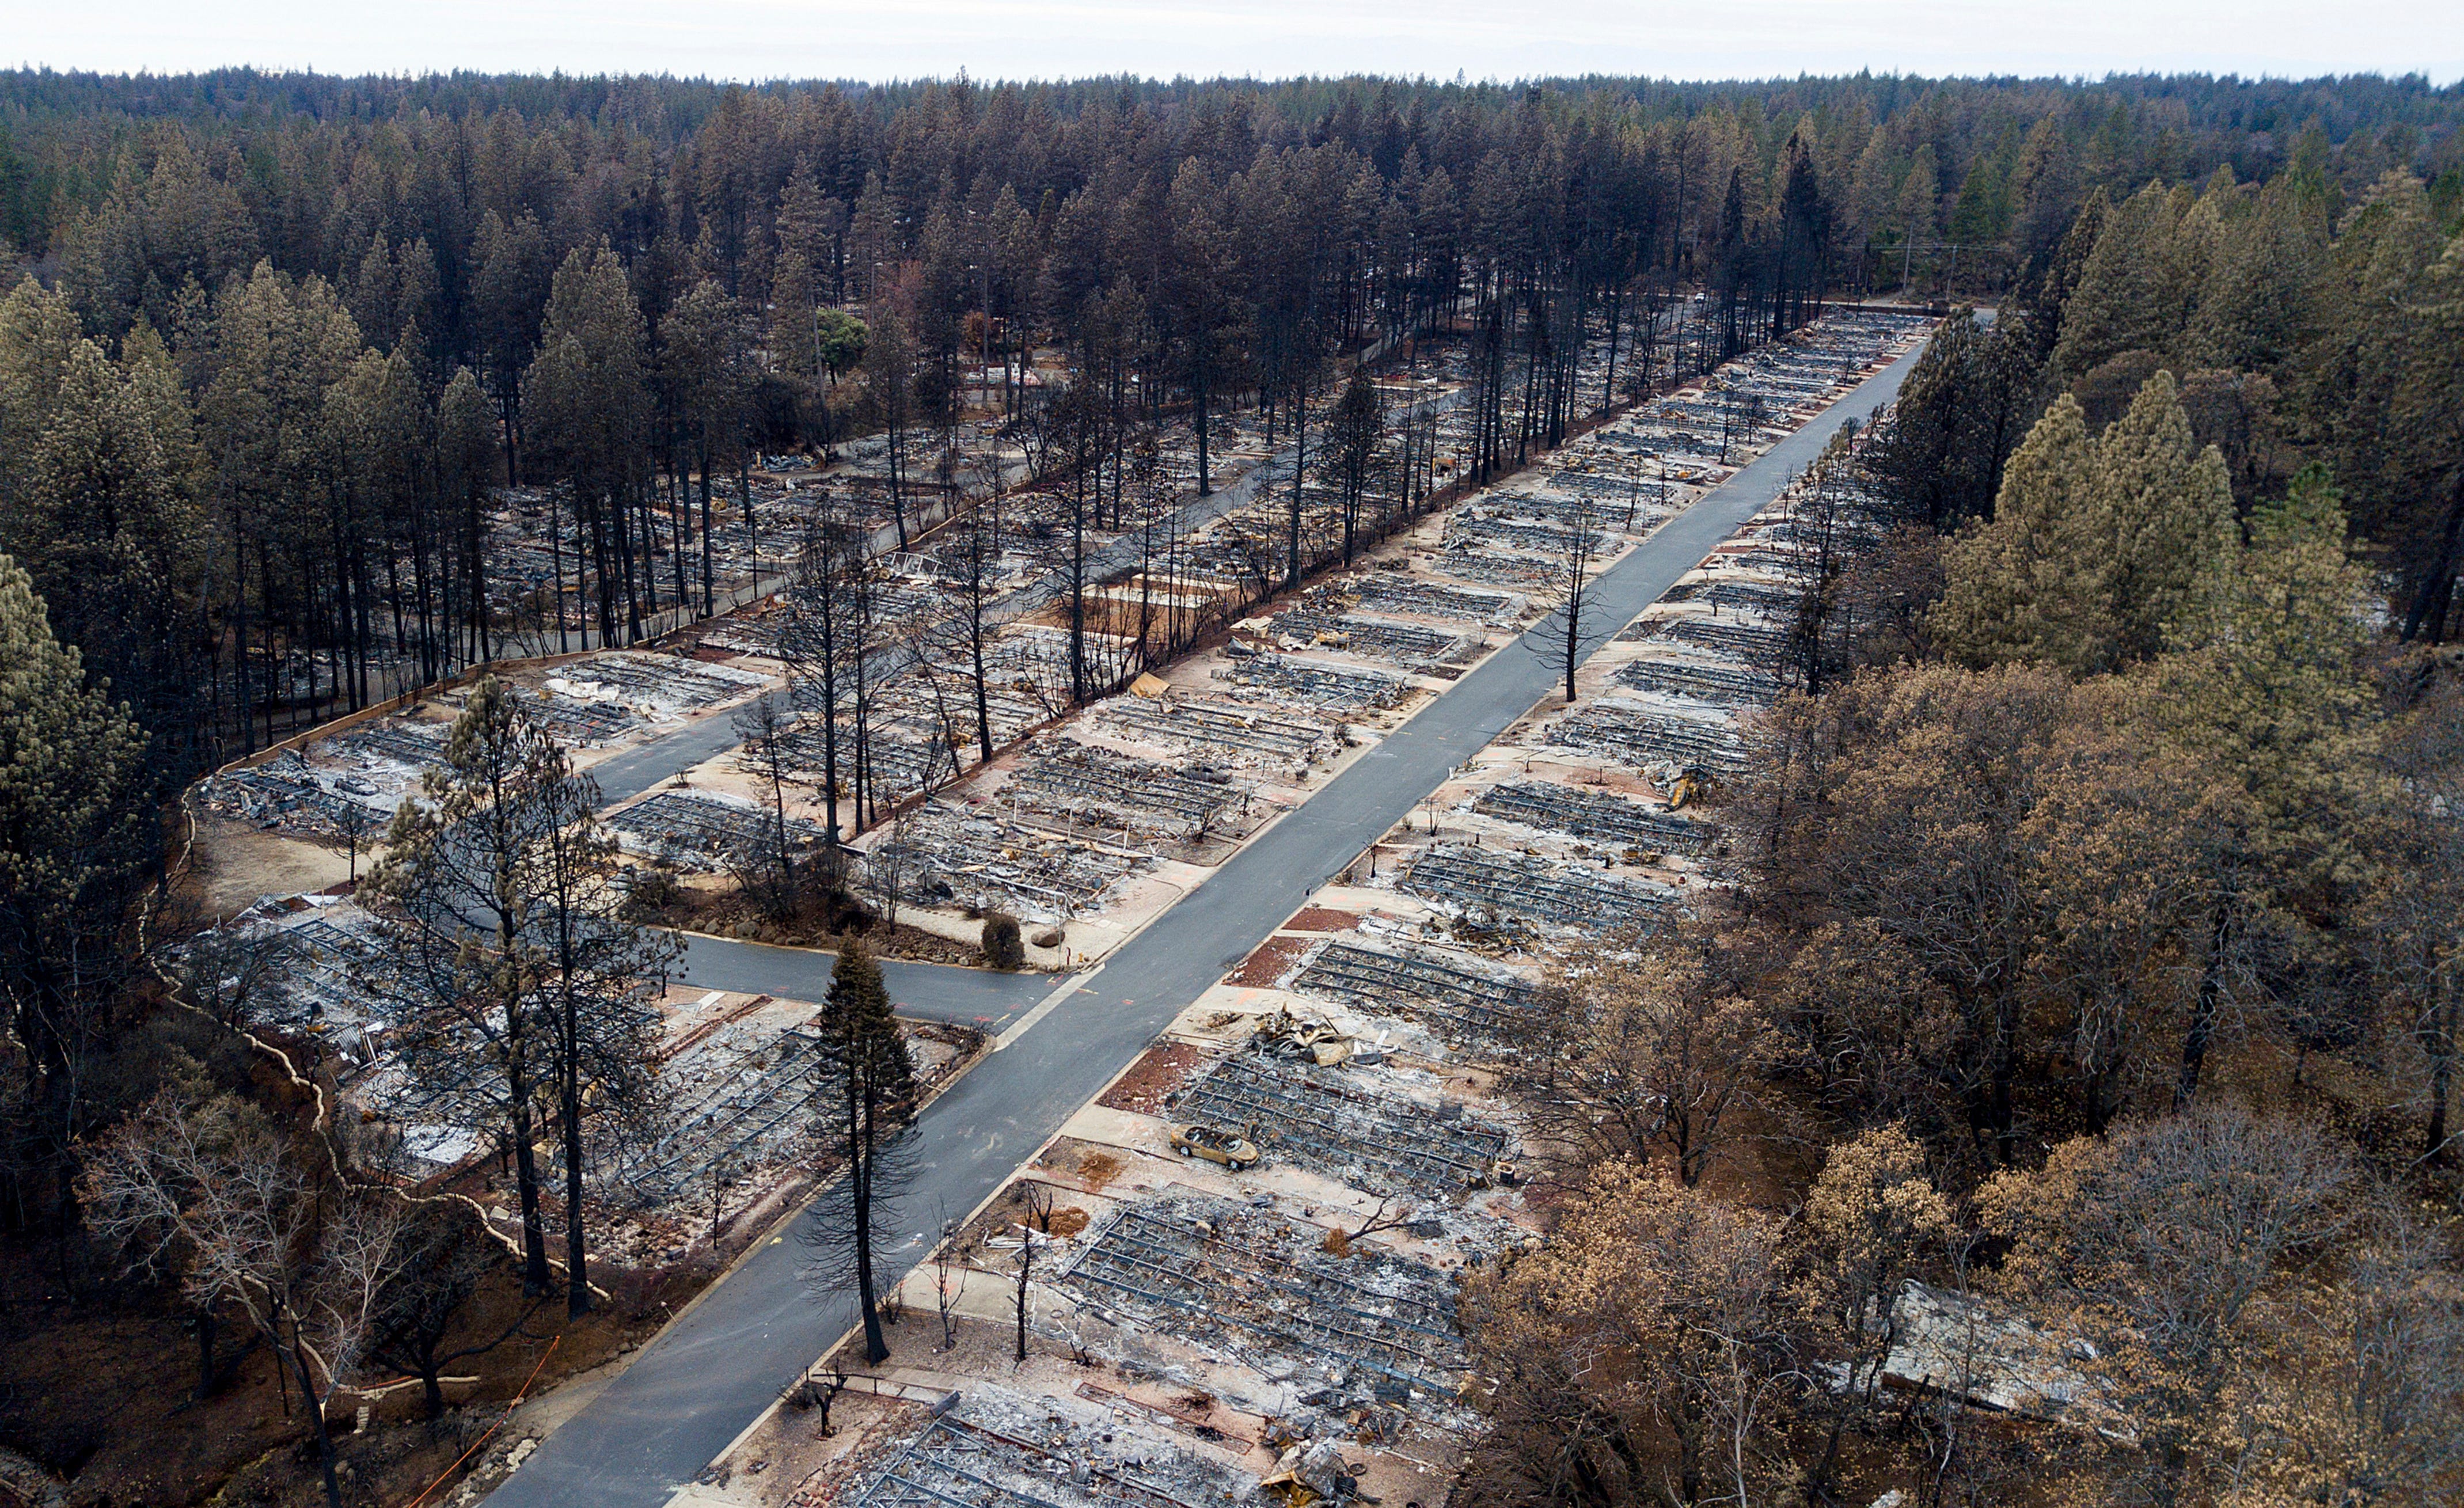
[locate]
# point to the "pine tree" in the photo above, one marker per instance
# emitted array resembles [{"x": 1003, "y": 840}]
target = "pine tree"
[
  {"x": 2030, "y": 583},
  {"x": 2048, "y": 300},
  {"x": 865, "y": 1088},
  {"x": 512, "y": 973},
  {"x": 2094, "y": 544},
  {"x": 2166, "y": 500},
  {"x": 110, "y": 526},
  {"x": 466, "y": 472},
  {"x": 587, "y": 407},
  {"x": 2261, "y": 683},
  {"x": 2426, "y": 436},
  {"x": 73, "y": 834},
  {"x": 2260, "y": 302},
  {"x": 2122, "y": 298}
]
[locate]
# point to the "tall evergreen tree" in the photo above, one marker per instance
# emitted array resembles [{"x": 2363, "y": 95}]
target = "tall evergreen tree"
[
  {"x": 586, "y": 405},
  {"x": 508, "y": 964},
  {"x": 75, "y": 833},
  {"x": 865, "y": 1093},
  {"x": 2165, "y": 500},
  {"x": 2029, "y": 584},
  {"x": 2124, "y": 299}
]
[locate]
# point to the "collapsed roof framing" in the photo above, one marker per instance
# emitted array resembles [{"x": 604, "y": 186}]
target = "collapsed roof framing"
[
  {"x": 1591, "y": 816},
  {"x": 1319, "y": 1118},
  {"x": 1206, "y": 1268},
  {"x": 1420, "y": 985},
  {"x": 1641, "y": 734},
  {"x": 1535, "y": 889}
]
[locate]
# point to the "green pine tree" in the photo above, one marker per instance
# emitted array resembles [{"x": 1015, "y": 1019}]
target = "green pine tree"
[
  {"x": 73, "y": 829},
  {"x": 867, "y": 1086},
  {"x": 2262, "y": 685},
  {"x": 2163, "y": 500},
  {"x": 2094, "y": 546},
  {"x": 2028, "y": 584},
  {"x": 2121, "y": 301}
]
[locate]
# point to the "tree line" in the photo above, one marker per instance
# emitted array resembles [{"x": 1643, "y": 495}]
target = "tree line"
[{"x": 286, "y": 336}]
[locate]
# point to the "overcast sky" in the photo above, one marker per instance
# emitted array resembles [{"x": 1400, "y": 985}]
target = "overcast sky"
[{"x": 1056, "y": 39}]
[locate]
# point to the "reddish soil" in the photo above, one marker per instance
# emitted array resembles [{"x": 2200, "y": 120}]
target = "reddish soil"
[
  {"x": 1273, "y": 959},
  {"x": 1154, "y": 1077},
  {"x": 1321, "y": 919}
]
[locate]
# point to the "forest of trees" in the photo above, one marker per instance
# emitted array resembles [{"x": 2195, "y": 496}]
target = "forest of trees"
[
  {"x": 273, "y": 339},
  {"x": 2098, "y": 951}
]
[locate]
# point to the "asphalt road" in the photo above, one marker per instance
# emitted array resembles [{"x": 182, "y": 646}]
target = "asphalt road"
[
  {"x": 933, "y": 992},
  {"x": 711, "y": 1374}
]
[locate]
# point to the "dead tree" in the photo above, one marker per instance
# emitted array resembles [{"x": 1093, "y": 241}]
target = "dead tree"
[
  {"x": 1038, "y": 1198},
  {"x": 809, "y": 1391},
  {"x": 353, "y": 822},
  {"x": 810, "y": 642},
  {"x": 949, "y": 1279},
  {"x": 978, "y": 563},
  {"x": 1084, "y": 417},
  {"x": 768, "y": 755},
  {"x": 447, "y": 1260},
  {"x": 603, "y": 964},
  {"x": 210, "y": 1194},
  {"x": 1354, "y": 430},
  {"x": 859, "y": 637},
  {"x": 891, "y": 866},
  {"x": 230, "y": 973},
  {"x": 509, "y": 963},
  {"x": 1568, "y": 592},
  {"x": 1381, "y": 1220}
]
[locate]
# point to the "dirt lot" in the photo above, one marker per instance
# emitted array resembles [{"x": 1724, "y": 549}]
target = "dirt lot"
[
  {"x": 1158, "y": 1073},
  {"x": 235, "y": 862},
  {"x": 1273, "y": 959},
  {"x": 1321, "y": 919}
]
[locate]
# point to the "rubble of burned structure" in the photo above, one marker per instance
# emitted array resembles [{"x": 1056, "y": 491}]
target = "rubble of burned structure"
[
  {"x": 1390, "y": 592},
  {"x": 702, "y": 830},
  {"x": 1313, "y": 683},
  {"x": 660, "y": 687},
  {"x": 1450, "y": 993},
  {"x": 1703, "y": 678},
  {"x": 1224, "y": 730},
  {"x": 991, "y": 1447},
  {"x": 1321, "y": 1117},
  {"x": 1592, "y": 817},
  {"x": 1262, "y": 1284},
  {"x": 1482, "y": 886},
  {"x": 1644, "y": 735},
  {"x": 289, "y": 794},
  {"x": 988, "y": 864},
  {"x": 1103, "y": 788},
  {"x": 1410, "y": 645},
  {"x": 1757, "y": 641},
  {"x": 294, "y": 965}
]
